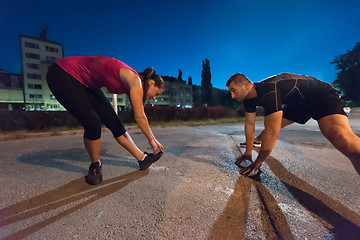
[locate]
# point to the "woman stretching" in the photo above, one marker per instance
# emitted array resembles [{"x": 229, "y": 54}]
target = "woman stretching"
[{"x": 76, "y": 83}]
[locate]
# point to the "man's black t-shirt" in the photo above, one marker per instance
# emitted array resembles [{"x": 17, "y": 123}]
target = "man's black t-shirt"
[{"x": 285, "y": 91}]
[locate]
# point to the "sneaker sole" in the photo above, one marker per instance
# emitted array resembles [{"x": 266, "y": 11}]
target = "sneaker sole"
[
  {"x": 255, "y": 145},
  {"x": 144, "y": 167},
  {"x": 94, "y": 179}
]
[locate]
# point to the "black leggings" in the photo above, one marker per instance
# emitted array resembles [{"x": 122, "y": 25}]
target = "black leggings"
[{"x": 89, "y": 107}]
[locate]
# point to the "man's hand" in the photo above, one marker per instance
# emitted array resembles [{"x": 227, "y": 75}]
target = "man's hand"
[
  {"x": 241, "y": 159},
  {"x": 272, "y": 123},
  {"x": 250, "y": 170}
]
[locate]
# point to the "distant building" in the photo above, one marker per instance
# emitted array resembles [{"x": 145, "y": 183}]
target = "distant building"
[
  {"x": 177, "y": 93},
  {"x": 30, "y": 91},
  {"x": 123, "y": 101},
  {"x": 218, "y": 96},
  {"x": 37, "y": 54},
  {"x": 11, "y": 91},
  {"x": 197, "y": 95}
]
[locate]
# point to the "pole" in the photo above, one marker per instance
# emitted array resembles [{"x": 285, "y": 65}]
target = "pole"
[{"x": 115, "y": 103}]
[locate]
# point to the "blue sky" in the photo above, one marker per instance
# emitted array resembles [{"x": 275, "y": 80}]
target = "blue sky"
[{"x": 259, "y": 38}]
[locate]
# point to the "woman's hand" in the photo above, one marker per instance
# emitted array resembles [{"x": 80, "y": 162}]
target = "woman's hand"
[{"x": 156, "y": 145}]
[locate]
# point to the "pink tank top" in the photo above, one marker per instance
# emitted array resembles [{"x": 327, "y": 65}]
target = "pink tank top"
[{"x": 96, "y": 72}]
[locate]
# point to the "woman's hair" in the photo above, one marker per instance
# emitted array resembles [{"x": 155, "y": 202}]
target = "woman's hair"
[
  {"x": 149, "y": 73},
  {"x": 238, "y": 78}
]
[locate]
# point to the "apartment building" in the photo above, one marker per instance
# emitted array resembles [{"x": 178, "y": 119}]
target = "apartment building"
[
  {"x": 11, "y": 91},
  {"x": 33, "y": 94},
  {"x": 122, "y": 100},
  {"x": 176, "y": 93},
  {"x": 37, "y": 54}
]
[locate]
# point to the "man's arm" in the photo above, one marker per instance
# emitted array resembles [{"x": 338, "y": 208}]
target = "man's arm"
[
  {"x": 272, "y": 125},
  {"x": 250, "y": 136},
  {"x": 249, "y": 132}
]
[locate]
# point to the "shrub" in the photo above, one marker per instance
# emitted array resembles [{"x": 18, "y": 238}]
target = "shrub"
[
  {"x": 173, "y": 113},
  {"x": 41, "y": 120}
]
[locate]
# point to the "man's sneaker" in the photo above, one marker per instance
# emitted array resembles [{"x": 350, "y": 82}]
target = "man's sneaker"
[
  {"x": 95, "y": 174},
  {"x": 149, "y": 159},
  {"x": 256, "y": 144}
]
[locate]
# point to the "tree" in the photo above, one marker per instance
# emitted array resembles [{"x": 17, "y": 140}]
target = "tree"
[
  {"x": 180, "y": 75},
  {"x": 348, "y": 76},
  {"x": 206, "y": 93},
  {"x": 190, "y": 81}
]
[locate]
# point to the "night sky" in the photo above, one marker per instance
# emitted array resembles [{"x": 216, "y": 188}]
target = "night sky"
[{"x": 259, "y": 38}]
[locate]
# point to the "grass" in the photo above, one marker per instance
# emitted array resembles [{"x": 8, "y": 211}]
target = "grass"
[
  {"x": 19, "y": 134},
  {"x": 56, "y": 131}
]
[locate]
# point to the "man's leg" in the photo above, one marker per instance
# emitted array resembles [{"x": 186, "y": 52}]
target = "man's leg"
[
  {"x": 337, "y": 130},
  {"x": 285, "y": 122}
]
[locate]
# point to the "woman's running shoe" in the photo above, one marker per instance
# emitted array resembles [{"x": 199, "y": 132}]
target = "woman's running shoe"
[
  {"x": 149, "y": 159},
  {"x": 95, "y": 174}
]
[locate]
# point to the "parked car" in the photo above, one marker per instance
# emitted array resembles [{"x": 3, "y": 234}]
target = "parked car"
[{"x": 347, "y": 110}]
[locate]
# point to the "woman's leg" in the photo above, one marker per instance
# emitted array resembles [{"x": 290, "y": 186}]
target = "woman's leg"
[
  {"x": 108, "y": 116},
  {"x": 93, "y": 149},
  {"x": 75, "y": 97},
  {"x": 126, "y": 142}
]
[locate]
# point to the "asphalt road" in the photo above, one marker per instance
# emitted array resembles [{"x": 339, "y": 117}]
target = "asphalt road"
[{"x": 307, "y": 190}]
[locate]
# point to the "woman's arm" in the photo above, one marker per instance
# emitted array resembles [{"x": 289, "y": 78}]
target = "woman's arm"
[{"x": 136, "y": 97}]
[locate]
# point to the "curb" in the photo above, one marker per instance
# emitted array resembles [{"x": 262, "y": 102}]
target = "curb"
[
  {"x": 15, "y": 136},
  {"x": 38, "y": 135}
]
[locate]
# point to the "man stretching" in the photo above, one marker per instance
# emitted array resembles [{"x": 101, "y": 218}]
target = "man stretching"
[{"x": 288, "y": 98}]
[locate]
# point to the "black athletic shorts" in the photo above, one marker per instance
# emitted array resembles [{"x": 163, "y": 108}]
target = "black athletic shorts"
[{"x": 324, "y": 104}]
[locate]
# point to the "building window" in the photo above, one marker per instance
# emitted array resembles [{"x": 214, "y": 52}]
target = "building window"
[
  {"x": 35, "y": 96},
  {"x": 34, "y": 86},
  {"x": 32, "y": 55},
  {"x": 51, "y": 49},
  {"x": 33, "y": 65},
  {"x": 34, "y": 76},
  {"x": 53, "y": 106},
  {"x": 52, "y": 97},
  {"x": 31, "y": 45}
]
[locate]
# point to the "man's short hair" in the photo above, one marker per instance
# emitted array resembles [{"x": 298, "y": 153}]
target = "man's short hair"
[{"x": 238, "y": 78}]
